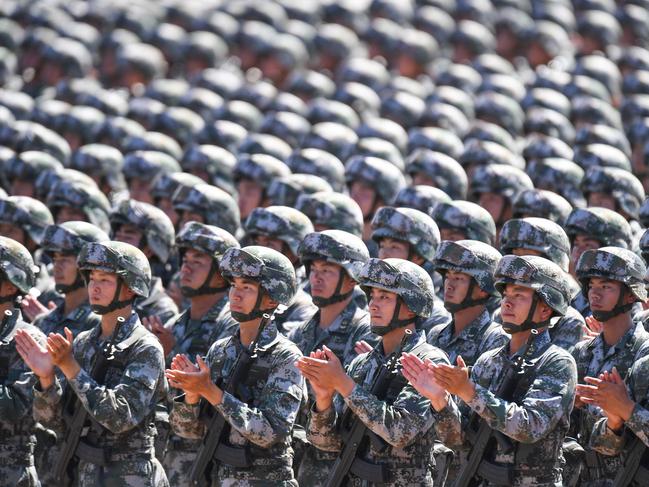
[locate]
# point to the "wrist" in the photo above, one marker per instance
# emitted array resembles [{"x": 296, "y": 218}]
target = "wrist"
[
  {"x": 191, "y": 398},
  {"x": 46, "y": 381},
  {"x": 345, "y": 385},
  {"x": 439, "y": 403},
  {"x": 70, "y": 369},
  {"x": 213, "y": 394},
  {"x": 627, "y": 410},
  {"x": 323, "y": 403},
  {"x": 615, "y": 424},
  {"x": 467, "y": 393}
]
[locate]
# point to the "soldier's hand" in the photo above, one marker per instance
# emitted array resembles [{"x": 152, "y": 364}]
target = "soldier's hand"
[
  {"x": 416, "y": 371},
  {"x": 32, "y": 307},
  {"x": 609, "y": 393},
  {"x": 165, "y": 335},
  {"x": 454, "y": 379},
  {"x": 329, "y": 372},
  {"x": 195, "y": 380},
  {"x": 36, "y": 357},
  {"x": 361, "y": 347},
  {"x": 323, "y": 395},
  {"x": 60, "y": 349}
]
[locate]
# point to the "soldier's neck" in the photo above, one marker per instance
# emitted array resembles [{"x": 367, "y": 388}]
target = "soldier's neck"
[
  {"x": 465, "y": 317},
  {"x": 519, "y": 340},
  {"x": 392, "y": 340},
  {"x": 74, "y": 299},
  {"x": 200, "y": 305},
  {"x": 328, "y": 314},
  {"x": 616, "y": 327},
  {"x": 109, "y": 320},
  {"x": 248, "y": 331}
]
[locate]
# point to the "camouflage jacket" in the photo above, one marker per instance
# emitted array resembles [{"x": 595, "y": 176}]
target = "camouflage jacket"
[
  {"x": 605, "y": 441},
  {"x": 122, "y": 408},
  {"x": 16, "y": 384},
  {"x": 440, "y": 316},
  {"x": 594, "y": 357},
  {"x": 263, "y": 415},
  {"x": 158, "y": 303},
  {"x": 480, "y": 336},
  {"x": 194, "y": 337},
  {"x": 537, "y": 418},
  {"x": 405, "y": 421},
  {"x": 80, "y": 319},
  {"x": 300, "y": 310}
]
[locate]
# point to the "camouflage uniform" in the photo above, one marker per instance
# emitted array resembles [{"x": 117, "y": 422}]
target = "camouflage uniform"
[
  {"x": 158, "y": 303},
  {"x": 262, "y": 415},
  {"x": 550, "y": 239},
  {"x": 17, "y": 438},
  {"x": 536, "y": 420},
  {"x": 123, "y": 407},
  {"x": 595, "y": 356},
  {"x": 404, "y": 422}
]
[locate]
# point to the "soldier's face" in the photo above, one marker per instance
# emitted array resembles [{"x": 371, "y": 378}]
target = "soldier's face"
[
  {"x": 382, "y": 305},
  {"x": 516, "y": 304},
  {"x": 139, "y": 190},
  {"x": 165, "y": 204},
  {"x": 392, "y": 248},
  {"x": 365, "y": 196},
  {"x": 456, "y": 287},
  {"x": 251, "y": 196},
  {"x": 65, "y": 268},
  {"x": 20, "y": 187},
  {"x": 494, "y": 204},
  {"x": 422, "y": 179},
  {"x": 603, "y": 200},
  {"x": 603, "y": 294},
  {"x": 270, "y": 242},
  {"x": 580, "y": 244},
  {"x": 324, "y": 276},
  {"x": 521, "y": 251},
  {"x": 69, "y": 214},
  {"x": 194, "y": 269},
  {"x": 129, "y": 234},
  {"x": 189, "y": 216},
  {"x": 243, "y": 295},
  {"x": 452, "y": 234},
  {"x": 10, "y": 230},
  {"x": 102, "y": 286}
]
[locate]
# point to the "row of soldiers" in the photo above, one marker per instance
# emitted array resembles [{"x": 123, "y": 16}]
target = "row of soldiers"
[{"x": 320, "y": 321}]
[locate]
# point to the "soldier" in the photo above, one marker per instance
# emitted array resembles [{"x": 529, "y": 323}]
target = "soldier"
[
  {"x": 206, "y": 204},
  {"x": 164, "y": 187},
  {"x": 542, "y": 204},
  {"x": 463, "y": 220},
  {"x": 149, "y": 229},
  {"x": 404, "y": 233},
  {"x": 141, "y": 169},
  {"x": 122, "y": 408},
  {"x": 404, "y": 424},
  {"x": 16, "y": 424},
  {"x": 538, "y": 236},
  {"x": 534, "y": 419},
  {"x": 261, "y": 414},
  {"x": 104, "y": 164},
  {"x": 332, "y": 211},
  {"x": 282, "y": 229},
  {"x": 72, "y": 200},
  {"x": 613, "y": 279},
  {"x": 206, "y": 320},
  {"x": 333, "y": 259}
]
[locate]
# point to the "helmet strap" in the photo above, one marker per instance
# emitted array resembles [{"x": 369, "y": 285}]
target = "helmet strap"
[
  {"x": 256, "y": 311},
  {"x": 618, "y": 309},
  {"x": 336, "y": 297},
  {"x": 114, "y": 304},
  {"x": 78, "y": 283},
  {"x": 205, "y": 288},
  {"x": 468, "y": 301},
  {"x": 528, "y": 323},
  {"x": 395, "y": 322}
]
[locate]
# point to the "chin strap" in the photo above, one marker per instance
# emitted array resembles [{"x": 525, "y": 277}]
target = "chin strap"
[
  {"x": 618, "y": 309},
  {"x": 395, "y": 322},
  {"x": 114, "y": 304},
  {"x": 78, "y": 283},
  {"x": 204, "y": 288},
  {"x": 336, "y": 297},
  {"x": 255, "y": 313},
  {"x": 467, "y": 302},
  {"x": 527, "y": 324}
]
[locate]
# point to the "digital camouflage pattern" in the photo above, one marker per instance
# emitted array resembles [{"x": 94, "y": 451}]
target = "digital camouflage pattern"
[
  {"x": 211, "y": 240},
  {"x": 594, "y": 357},
  {"x": 623, "y": 186},
  {"x": 560, "y": 175},
  {"x": 299, "y": 310},
  {"x": 280, "y": 222},
  {"x": 606, "y": 226},
  {"x": 538, "y": 234},
  {"x": 27, "y": 213},
  {"x": 536, "y": 420},
  {"x": 263, "y": 415},
  {"x": 157, "y": 303},
  {"x": 155, "y": 225},
  {"x": 476, "y": 222},
  {"x": 506, "y": 181},
  {"x": 420, "y": 197},
  {"x": 166, "y": 184},
  {"x": 405, "y": 422},
  {"x": 286, "y": 190},
  {"x": 17, "y": 426},
  {"x": 542, "y": 204},
  {"x": 260, "y": 168},
  {"x": 338, "y": 247},
  {"x": 332, "y": 211},
  {"x": 385, "y": 178},
  {"x": 148, "y": 164},
  {"x": 102, "y": 161},
  {"x": 216, "y": 206},
  {"x": 216, "y": 161},
  {"x": 319, "y": 163},
  {"x": 70, "y": 237},
  {"x": 88, "y": 199},
  {"x": 17, "y": 265},
  {"x": 448, "y": 174},
  {"x": 407, "y": 225},
  {"x": 122, "y": 407}
]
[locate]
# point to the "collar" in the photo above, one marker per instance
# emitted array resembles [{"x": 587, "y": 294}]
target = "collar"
[
  {"x": 538, "y": 346},
  {"x": 626, "y": 342},
  {"x": 474, "y": 330},
  {"x": 269, "y": 337},
  {"x": 417, "y": 338},
  {"x": 125, "y": 330}
]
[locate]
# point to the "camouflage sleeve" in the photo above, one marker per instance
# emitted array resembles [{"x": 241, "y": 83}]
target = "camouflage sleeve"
[
  {"x": 605, "y": 441},
  {"x": 362, "y": 332},
  {"x": 321, "y": 430},
  {"x": 186, "y": 420},
  {"x": 124, "y": 406},
  {"x": 272, "y": 420},
  {"x": 639, "y": 423},
  {"x": 548, "y": 399},
  {"x": 16, "y": 395},
  {"x": 493, "y": 339},
  {"x": 47, "y": 406},
  {"x": 448, "y": 425},
  {"x": 569, "y": 332}
]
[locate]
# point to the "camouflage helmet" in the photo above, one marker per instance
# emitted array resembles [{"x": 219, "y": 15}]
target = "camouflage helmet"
[
  {"x": 448, "y": 174},
  {"x": 271, "y": 269},
  {"x": 211, "y": 240},
  {"x": 124, "y": 260},
  {"x": 559, "y": 175},
  {"x": 644, "y": 214},
  {"x": 89, "y": 199},
  {"x": 335, "y": 246},
  {"x": 604, "y": 225},
  {"x": 319, "y": 163},
  {"x": 543, "y": 204},
  {"x": 285, "y": 190},
  {"x": 412, "y": 226},
  {"x": 420, "y": 197},
  {"x": 29, "y": 164},
  {"x": 17, "y": 265},
  {"x": 644, "y": 246},
  {"x": 332, "y": 211},
  {"x": 542, "y": 275},
  {"x": 166, "y": 184},
  {"x": 154, "y": 224},
  {"x": 476, "y": 222},
  {"x": 625, "y": 188},
  {"x": 147, "y": 164},
  {"x": 261, "y": 168},
  {"x": 281, "y": 222},
  {"x": 384, "y": 177},
  {"x": 216, "y": 161},
  {"x": 407, "y": 280},
  {"x": 70, "y": 237},
  {"x": 615, "y": 264},
  {"x": 506, "y": 181},
  {"x": 27, "y": 213},
  {"x": 538, "y": 234},
  {"x": 472, "y": 257},
  {"x": 217, "y": 207},
  {"x": 104, "y": 161}
]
